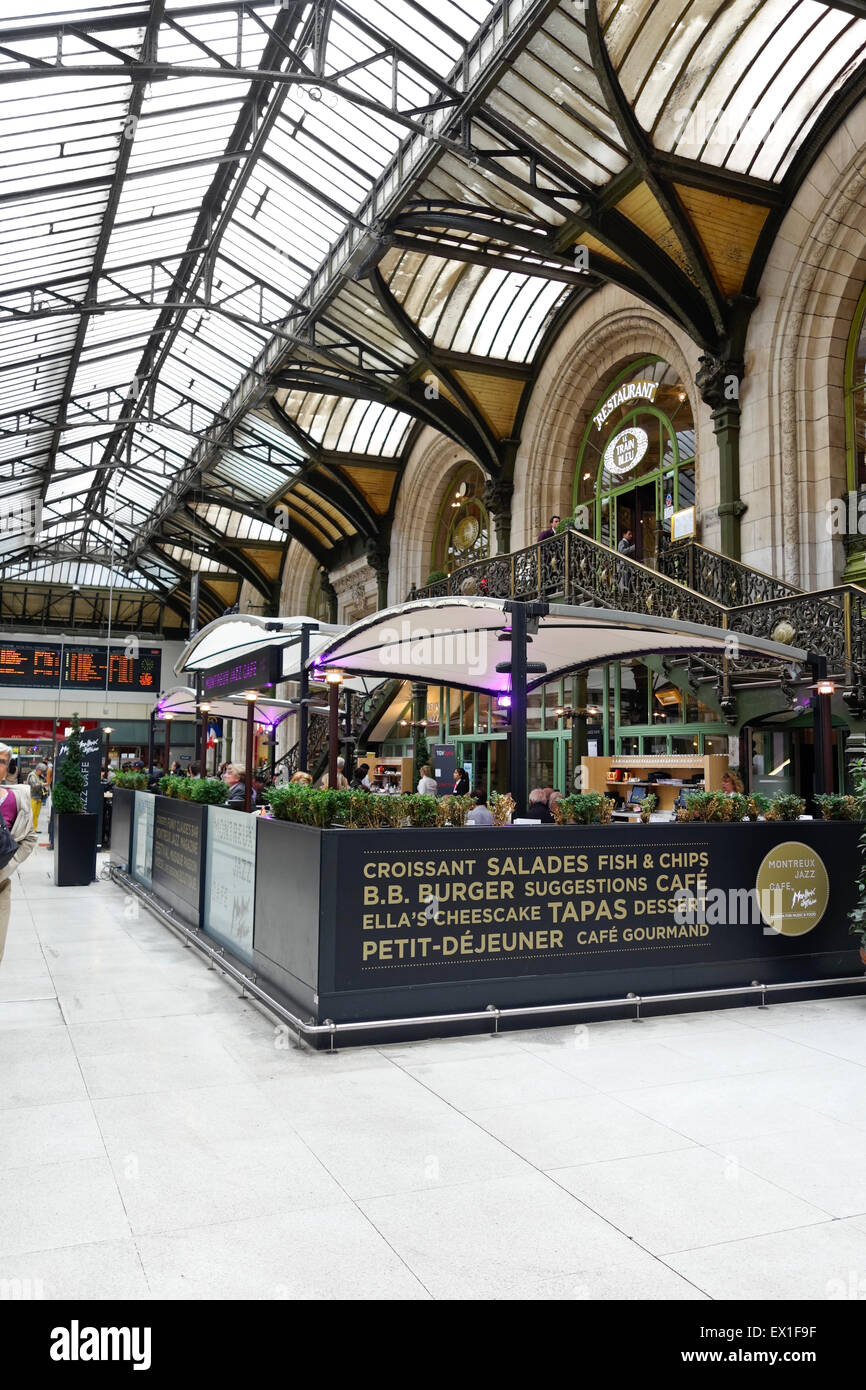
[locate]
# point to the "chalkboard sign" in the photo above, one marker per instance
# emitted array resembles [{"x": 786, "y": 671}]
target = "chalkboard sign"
[
  {"x": 178, "y": 855},
  {"x": 91, "y": 770},
  {"x": 444, "y": 763}
]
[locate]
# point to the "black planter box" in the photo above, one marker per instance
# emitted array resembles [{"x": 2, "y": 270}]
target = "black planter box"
[
  {"x": 122, "y": 804},
  {"x": 532, "y": 917},
  {"x": 75, "y": 840}
]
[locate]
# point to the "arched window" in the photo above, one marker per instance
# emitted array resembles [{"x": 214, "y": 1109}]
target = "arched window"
[
  {"x": 463, "y": 525},
  {"x": 636, "y": 465}
]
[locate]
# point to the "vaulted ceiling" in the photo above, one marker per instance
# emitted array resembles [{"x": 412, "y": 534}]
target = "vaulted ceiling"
[{"x": 250, "y": 250}]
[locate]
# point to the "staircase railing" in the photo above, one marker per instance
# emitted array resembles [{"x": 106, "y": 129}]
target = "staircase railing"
[
  {"x": 727, "y": 581},
  {"x": 693, "y": 584}
]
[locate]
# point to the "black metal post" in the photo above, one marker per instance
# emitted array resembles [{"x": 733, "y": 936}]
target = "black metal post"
[
  {"x": 822, "y": 728},
  {"x": 303, "y": 698},
  {"x": 150, "y": 743},
  {"x": 517, "y": 772},
  {"x": 333, "y": 731},
  {"x": 199, "y": 724},
  {"x": 248, "y": 776},
  {"x": 167, "y": 746}
]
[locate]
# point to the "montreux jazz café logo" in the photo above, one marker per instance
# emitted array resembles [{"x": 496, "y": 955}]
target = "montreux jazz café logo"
[{"x": 244, "y": 670}]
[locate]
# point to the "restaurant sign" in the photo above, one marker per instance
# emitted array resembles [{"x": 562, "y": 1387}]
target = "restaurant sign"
[{"x": 629, "y": 391}]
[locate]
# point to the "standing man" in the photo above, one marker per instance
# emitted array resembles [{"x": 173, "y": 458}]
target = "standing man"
[
  {"x": 38, "y": 788},
  {"x": 627, "y": 545},
  {"x": 18, "y": 819}
]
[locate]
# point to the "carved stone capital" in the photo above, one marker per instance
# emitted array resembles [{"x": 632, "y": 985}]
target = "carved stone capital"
[
  {"x": 718, "y": 380},
  {"x": 497, "y": 496},
  {"x": 377, "y": 553}
]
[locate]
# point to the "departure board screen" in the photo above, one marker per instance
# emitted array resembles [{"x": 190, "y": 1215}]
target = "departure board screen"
[{"x": 42, "y": 665}]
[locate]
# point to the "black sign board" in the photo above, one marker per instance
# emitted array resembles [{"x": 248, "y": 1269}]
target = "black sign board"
[
  {"x": 449, "y": 906},
  {"x": 91, "y": 769},
  {"x": 47, "y": 665},
  {"x": 251, "y": 672},
  {"x": 177, "y": 870},
  {"x": 444, "y": 763}
]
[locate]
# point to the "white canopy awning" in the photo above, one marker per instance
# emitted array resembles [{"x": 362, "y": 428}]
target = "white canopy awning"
[
  {"x": 181, "y": 703},
  {"x": 237, "y": 634},
  {"x": 458, "y": 642}
]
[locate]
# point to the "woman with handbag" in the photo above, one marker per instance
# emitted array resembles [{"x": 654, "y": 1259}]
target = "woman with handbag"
[{"x": 17, "y": 837}]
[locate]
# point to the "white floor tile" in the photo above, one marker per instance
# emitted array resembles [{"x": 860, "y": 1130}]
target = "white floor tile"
[
  {"x": 33, "y": 1134},
  {"x": 582, "y": 1129},
  {"x": 522, "y": 1238},
  {"x": 823, "y": 1162},
  {"x": 333, "y": 1253},
  {"x": 56, "y": 1204},
  {"x": 685, "y": 1199},
  {"x": 827, "y": 1261}
]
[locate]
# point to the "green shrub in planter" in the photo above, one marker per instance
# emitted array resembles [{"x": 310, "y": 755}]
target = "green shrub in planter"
[
  {"x": 67, "y": 794},
  {"x": 453, "y": 810},
  {"x": 759, "y": 805},
  {"x": 857, "y": 916},
  {"x": 208, "y": 791},
  {"x": 132, "y": 781},
  {"x": 421, "y": 810},
  {"x": 183, "y": 790},
  {"x": 169, "y": 784},
  {"x": 435, "y": 577},
  {"x": 835, "y": 807},
  {"x": 583, "y": 808},
  {"x": 787, "y": 806}
]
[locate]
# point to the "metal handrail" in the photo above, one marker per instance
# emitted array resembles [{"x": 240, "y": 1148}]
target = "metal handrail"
[{"x": 249, "y": 984}]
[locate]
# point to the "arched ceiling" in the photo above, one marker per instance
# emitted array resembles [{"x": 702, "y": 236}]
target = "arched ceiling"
[{"x": 250, "y": 250}]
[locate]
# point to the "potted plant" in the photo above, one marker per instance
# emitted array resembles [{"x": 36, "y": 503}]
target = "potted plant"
[
  {"x": 786, "y": 806},
  {"x": 421, "y": 809},
  {"x": 583, "y": 808},
  {"x": 759, "y": 805},
  {"x": 207, "y": 790},
  {"x": 502, "y": 806},
  {"x": 453, "y": 810},
  {"x": 647, "y": 807},
  {"x": 835, "y": 807},
  {"x": 76, "y": 831}
]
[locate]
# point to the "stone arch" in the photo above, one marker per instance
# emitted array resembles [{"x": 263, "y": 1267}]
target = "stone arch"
[
  {"x": 433, "y": 457},
  {"x": 299, "y": 571},
  {"x": 793, "y": 422},
  {"x": 609, "y": 330}
]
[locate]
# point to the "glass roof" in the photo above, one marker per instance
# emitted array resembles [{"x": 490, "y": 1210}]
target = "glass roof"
[{"x": 188, "y": 190}]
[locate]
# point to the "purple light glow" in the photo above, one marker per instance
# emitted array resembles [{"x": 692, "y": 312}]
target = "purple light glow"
[{"x": 504, "y": 702}]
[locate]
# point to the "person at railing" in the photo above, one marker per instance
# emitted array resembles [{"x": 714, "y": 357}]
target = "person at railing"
[
  {"x": 427, "y": 782},
  {"x": 549, "y": 530},
  {"x": 538, "y": 808},
  {"x": 481, "y": 813},
  {"x": 627, "y": 545},
  {"x": 235, "y": 778}
]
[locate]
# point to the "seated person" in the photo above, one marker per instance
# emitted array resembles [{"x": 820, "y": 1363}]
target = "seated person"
[
  {"x": 481, "y": 813},
  {"x": 551, "y": 802},
  {"x": 234, "y": 775},
  {"x": 538, "y": 809}
]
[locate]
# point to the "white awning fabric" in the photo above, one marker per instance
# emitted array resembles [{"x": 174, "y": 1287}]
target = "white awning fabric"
[
  {"x": 181, "y": 703},
  {"x": 237, "y": 634},
  {"x": 459, "y": 642}
]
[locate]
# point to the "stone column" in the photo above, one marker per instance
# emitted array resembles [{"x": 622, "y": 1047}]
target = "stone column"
[
  {"x": 420, "y": 749},
  {"x": 378, "y": 553},
  {"x": 496, "y": 497},
  {"x": 330, "y": 594},
  {"x": 718, "y": 380}
]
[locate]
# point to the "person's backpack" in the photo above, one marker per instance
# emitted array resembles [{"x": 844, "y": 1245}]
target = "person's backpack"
[{"x": 8, "y": 843}]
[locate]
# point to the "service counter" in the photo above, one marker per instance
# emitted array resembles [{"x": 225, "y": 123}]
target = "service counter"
[{"x": 367, "y": 925}]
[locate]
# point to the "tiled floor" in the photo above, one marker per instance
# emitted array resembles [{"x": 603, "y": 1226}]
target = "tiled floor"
[{"x": 159, "y": 1139}]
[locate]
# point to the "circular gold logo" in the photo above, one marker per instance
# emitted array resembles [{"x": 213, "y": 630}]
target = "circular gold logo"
[
  {"x": 793, "y": 888},
  {"x": 466, "y": 532}
]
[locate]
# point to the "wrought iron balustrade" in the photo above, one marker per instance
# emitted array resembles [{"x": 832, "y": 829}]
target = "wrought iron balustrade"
[{"x": 727, "y": 581}]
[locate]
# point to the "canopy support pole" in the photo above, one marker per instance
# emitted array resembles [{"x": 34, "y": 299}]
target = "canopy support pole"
[
  {"x": 333, "y": 731},
  {"x": 822, "y": 726},
  {"x": 248, "y": 774},
  {"x": 517, "y": 771},
  {"x": 303, "y": 698}
]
